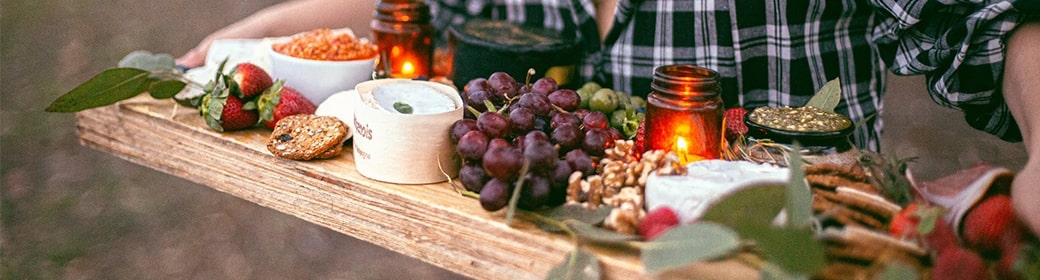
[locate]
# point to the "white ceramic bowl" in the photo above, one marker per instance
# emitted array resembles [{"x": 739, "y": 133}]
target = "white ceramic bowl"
[{"x": 318, "y": 79}]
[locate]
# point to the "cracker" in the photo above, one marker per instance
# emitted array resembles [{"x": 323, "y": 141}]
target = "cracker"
[
  {"x": 831, "y": 181},
  {"x": 872, "y": 203},
  {"x": 304, "y": 136}
]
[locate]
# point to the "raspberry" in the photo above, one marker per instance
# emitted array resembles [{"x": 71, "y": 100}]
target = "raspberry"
[
  {"x": 640, "y": 140},
  {"x": 941, "y": 238},
  {"x": 658, "y": 221},
  {"x": 735, "y": 127}
]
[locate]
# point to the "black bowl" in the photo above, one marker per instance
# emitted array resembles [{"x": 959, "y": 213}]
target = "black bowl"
[{"x": 838, "y": 139}]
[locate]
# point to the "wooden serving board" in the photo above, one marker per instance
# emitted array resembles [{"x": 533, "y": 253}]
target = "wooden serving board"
[{"x": 433, "y": 223}]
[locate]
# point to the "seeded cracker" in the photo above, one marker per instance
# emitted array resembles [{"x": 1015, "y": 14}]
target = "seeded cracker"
[{"x": 305, "y": 137}]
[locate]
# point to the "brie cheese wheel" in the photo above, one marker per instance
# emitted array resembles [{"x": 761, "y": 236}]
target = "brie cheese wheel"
[
  {"x": 422, "y": 99},
  {"x": 705, "y": 183}
]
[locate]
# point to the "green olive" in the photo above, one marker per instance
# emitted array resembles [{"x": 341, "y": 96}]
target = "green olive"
[{"x": 604, "y": 100}]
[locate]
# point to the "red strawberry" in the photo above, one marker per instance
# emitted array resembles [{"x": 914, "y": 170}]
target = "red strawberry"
[
  {"x": 942, "y": 237},
  {"x": 986, "y": 222},
  {"x": 1011, "y": 245},
  {"x": 735, "y": 127},
  {"x": 225, "y": 112},
  {"x": 251, "y": 79},
  {"x": 904, "y": 224},
  {"x": 282, "y": 101},
  {"x": 959, "y": 263},
  {"x": 658, "y": 221}
]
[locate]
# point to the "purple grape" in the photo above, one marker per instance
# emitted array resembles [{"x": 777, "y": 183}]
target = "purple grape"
[
  {"x": 472, "y": 145},
  {"x": 615, "y": 134},
  {"x": 562, "y": 118},
  {"x": 539, "y": 104},
  {"x": 535, "y": 136},
  {"x": 544, "y": 86},
  {"x": 498, "y": 142},
  {"x": 473, "y": 177},
  {"x": 503, "y": 162},
  {"x": 495, "y": 194},
  {"x": 503, "y": 85},
  {"x": 535, "y": 192},
  {"x": 578, "y": 160},
  {"x": 558, "y": 184},
  {"x": 566, "y": 99},
  {"x": 461, "y": 127},
  {"x": 521, "y": 120},
  {"x": 493, "y": 124},
  {"x": 541, "y": 155},
  {"x": 568, "y": 136},
  {"x": 541, "y": 124},
  {"x": 581, "y": 113},
  {"x": 595, "y": 120},
  {"x": 476, "y": 100},
  {"x": 596, "y": 140},
  {"x": 476, "y": 84}
]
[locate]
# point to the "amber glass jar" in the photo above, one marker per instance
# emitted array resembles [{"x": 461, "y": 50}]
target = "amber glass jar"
[
  {"x": 684, "y": 112},
  {"x": 402, "y": 31}
]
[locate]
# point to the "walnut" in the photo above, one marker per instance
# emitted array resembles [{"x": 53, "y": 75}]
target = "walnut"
[
  {"x": 624, "y": 218},
  {"x": 575, "y": 187},
  {"x": 595, "y": 191}
]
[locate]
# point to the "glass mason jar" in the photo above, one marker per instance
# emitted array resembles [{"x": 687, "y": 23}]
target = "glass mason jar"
[
  {"x": 684, "y": 112},
  {"x": 402, "y": 31}
]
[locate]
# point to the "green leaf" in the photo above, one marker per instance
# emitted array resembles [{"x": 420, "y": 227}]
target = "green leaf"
[
  {"x": 792, "y": 249},
  {"x": 147, "y": 61},
  {"x": 573, "y": 212},
  {"x": 105, "y": 88},
  {"x": 580, "y": 264},
  {"x": 687, "y": 244},
  {"x": 799, "y": 197},
  {"x": 897, "y": 271},
  {"x": 753, "y": 205},
  {"x": 596, "y": 234},
  {"x": 165, "y": 88},
  {"x": 403, "y": 108},
  {"x": 515, "y": 198},
  {"x": 828, "y": 97}
]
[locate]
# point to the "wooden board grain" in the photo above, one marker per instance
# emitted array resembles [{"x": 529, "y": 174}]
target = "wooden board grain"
[{"x": 432, "y": 222}]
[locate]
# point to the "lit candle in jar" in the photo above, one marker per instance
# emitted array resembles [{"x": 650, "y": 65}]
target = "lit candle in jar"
[
  {"x": 403, "y": 33},
  {"x": 684, "y": 113}
]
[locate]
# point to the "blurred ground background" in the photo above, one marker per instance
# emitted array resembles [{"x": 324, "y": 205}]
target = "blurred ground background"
[{"x": 69, "y": 212}]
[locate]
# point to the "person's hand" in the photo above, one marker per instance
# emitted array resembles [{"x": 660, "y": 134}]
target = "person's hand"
[
  {"x": 249, "y": 27},
  {"x": 1020, "y": 88}
]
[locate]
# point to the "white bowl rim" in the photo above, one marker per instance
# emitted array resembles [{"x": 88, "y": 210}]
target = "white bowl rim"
[{"x": 286, "y": 57}]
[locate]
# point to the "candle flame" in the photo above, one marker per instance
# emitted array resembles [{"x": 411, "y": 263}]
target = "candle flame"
[
  {"x": 682, "y": 150},
  {"x": 407, "y": 68},
  {"x": 680, "y": 144}
]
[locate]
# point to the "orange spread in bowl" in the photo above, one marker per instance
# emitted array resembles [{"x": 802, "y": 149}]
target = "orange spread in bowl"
[{"x": 323, "y": 44}]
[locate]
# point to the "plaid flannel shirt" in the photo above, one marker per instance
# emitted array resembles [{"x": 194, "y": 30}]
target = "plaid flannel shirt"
[{"x": 774, "y": 53}]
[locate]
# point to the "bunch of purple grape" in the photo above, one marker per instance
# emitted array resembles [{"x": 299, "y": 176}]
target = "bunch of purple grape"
[{"x": 508, "y": 123}]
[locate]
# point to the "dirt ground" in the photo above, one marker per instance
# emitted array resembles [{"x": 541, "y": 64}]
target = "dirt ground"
[{"x": 69, "y": 212}]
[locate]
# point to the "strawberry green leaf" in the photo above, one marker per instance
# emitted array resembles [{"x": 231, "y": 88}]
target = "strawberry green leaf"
[
  {"x": 799, "y": 197},
  {"x": 580, "y": 264},
  {"x": 163, "y": 89},
  {"x": 688, "y": 244},
  {"x": 269, "y": 100},
  {"x": 105, "y": 88},
  {"x": 147, "y": 61},
  {"x": 828, "y": 97},
  {"x": 753, "y": 205}
]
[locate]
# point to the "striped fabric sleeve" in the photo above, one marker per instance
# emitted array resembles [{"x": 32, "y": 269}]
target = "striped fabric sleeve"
[{"x": 959, "y": 47}]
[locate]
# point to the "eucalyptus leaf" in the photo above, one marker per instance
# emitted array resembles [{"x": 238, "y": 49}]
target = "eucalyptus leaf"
[
  {"x": 579, "y": 265},
  {"x": 688, "y": 244},
  {"x": 163, "y": 89},
  {"x": 828, "y": 97},
  {"x": 799, "y": 197},
  {"x": 795, "y": 250},
  {"x": 897, "y": 271},
  {"x": 147, "y": 61},
  {"x": 753, "y": 205},
  {"x": 105, "y": 88},
  {"x": 573, "y": 212},
  {"x": 596, "y": 234}
]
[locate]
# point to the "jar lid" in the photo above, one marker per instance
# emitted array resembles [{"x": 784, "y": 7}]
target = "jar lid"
[{"x": 507, "y": 36}]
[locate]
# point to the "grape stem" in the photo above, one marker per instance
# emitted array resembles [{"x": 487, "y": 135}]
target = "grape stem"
[{"x": 516, "y": 192}]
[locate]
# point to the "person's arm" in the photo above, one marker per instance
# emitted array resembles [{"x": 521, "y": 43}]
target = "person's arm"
[
  {"x": 1022, "y": 92},
  {"x": 288, "y": 18}
]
